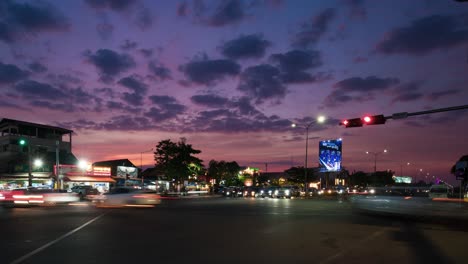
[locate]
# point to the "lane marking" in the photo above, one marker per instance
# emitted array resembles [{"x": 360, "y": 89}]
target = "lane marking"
[
  {"x": 34, "y": 252},
  {"x": 358, "y": 244}
]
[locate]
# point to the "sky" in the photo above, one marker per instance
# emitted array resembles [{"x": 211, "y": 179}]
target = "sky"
[{"x": 231, "y": 77}]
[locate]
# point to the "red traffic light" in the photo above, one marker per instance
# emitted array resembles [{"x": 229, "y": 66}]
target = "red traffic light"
[
  {"x": 345, "y": 122},
  {"x": 367, "y": 119}
]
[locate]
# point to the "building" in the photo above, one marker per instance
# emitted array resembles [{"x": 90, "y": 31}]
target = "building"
[
  {"x": 29, "y": 152},
  {"x": 123, "y": 171}
]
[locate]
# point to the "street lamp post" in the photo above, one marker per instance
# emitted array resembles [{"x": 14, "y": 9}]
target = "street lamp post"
[
  {"x": 141, "y": 166},
  {"x": 375, "y": 157},
  {"x": 320, "y": 119},
  {"x": 401, "y": 168}
]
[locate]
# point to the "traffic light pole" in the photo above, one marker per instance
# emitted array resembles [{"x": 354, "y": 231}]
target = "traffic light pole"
[{"x": 29, "y": 167}]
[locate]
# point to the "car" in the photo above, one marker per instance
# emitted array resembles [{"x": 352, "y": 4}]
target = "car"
[
  {"x": 286, "y": 192},
  {"x": 84, "y": 191},
  {"x": 250, "y": 191},
  {"x": 127, "y": 197},
  {"x": 28, "y": 197}
]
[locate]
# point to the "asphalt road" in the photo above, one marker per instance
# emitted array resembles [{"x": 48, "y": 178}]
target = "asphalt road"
[{"x": 225, "y": 230}]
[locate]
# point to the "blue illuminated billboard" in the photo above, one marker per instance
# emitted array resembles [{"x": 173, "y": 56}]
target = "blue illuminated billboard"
[{"x": 330, "y": 155}]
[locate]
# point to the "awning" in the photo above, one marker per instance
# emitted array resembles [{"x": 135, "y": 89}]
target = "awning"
[
  {"x": 24, "y": 175},
  {"x": 88, "y": 179}
]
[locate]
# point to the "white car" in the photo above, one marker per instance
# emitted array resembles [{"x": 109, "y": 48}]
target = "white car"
[{"x": 127, "y": 197}]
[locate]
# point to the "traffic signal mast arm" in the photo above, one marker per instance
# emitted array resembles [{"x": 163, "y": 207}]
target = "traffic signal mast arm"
[{"x": 381, "y": 119}]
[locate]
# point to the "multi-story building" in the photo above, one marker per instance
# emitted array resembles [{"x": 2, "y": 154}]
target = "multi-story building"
[{"x": 29, "y": 151}]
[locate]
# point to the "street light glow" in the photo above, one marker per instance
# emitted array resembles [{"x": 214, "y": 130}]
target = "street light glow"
[
  {"x": 293, "y": 125},
  {"x": 38, "y": 163},
  {"x": 321, "y": 119},
  {"x": 82, "y": 164}
]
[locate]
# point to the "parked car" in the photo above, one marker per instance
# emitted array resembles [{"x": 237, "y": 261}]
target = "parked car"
[{"x": 127, "y": 197}]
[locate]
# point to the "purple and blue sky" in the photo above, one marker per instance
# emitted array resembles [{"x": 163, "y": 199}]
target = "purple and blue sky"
[{"x": 231, "y": 76}]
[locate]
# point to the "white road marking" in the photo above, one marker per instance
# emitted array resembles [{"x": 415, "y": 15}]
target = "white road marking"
[{"x": 34, "y": 252}]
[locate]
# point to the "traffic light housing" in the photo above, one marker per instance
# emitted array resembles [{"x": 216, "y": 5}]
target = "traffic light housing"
[
  {"x": 366, "y": 120},
  {"x": 375, "y": 120},
  {"x": 355, "y": 122}
]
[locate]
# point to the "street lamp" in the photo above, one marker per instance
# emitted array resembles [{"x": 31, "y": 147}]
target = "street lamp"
[
  {"x": 38, "y": 163},
  {"x": 320, "y": 119},
  {"x": 401, "y": 168},
  {"x": 375, "y": 157},
  {"x": 141, "y": 166}
]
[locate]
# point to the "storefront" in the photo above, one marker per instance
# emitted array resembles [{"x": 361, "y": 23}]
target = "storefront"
[
  {"x": 21, "y": 180},
  {"x": 97, "y": 177}
]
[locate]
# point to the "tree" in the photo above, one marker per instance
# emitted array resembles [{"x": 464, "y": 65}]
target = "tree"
[
  {"x": 222, "y": 170},
  {"x": 177, "y": 160}
]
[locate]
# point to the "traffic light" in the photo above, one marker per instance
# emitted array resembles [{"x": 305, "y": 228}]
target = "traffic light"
[
  {"x": 355, "y": 122},
  {"x": 375, "y": 120},
  {"x": 22, "y": 142},
  {"x": 366, "y": 120}
]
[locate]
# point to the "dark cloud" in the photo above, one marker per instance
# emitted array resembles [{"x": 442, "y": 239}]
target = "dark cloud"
[
  {"x": 108, "y": 92},
  {"x": 133, "y": 83},
  {"x": 229, "y": 121},
  {"x": 311, "y": 31},
  {"x": 206, "y": 71},
  {"x": 129, "y": 45},
  {"x": 144, "y": 18},
  {"x": 63, "y": 107},
  {"x": 113, "y": 105},
  {"x": 182, "y": 9},
  {"x": 79, "y": 95},
  {"x": 369, "y": 84},
  {"x": 425, "y": 35},
  {"x": 360, "y": 59},
  {"x": 357, "y": 89},
  {"x": 10, "y": 73},
  {"x": 137, "y": 87},
  {"x": 165, "y": 107},
  {"x": 305, "y": 77},
  {"x": 115, "y": 5},
  {"x": 64, "y": 79},
  {"x": 21, "y": 19},
  {"x": 33, "y": 89},
  {"x": 162, "y": 99},
  {"x": 104, "y": 30},
  {"x": 209, "y": 100},
  {"x": 227, "y": 12},
  {"x": 37, "y": 67},
  {"x": 159, "y": 71},
  {"x": 146, "y": 52},
  {"x": 356, "y": 8},
  {"x": 262, "y": 82},
  {"x": 245, "y": 46},
  {"x": 297, "y": 60},
  {"x": 436, "y": 95},
  {"x": 133, "y": 98},
  {"x": 294, "y": 63},
  {"x": 244, "y": 106},
  {"x": 407, "y": 92},
  {"x": 109, "y": 63},
  {"x": 117, "y": 123}
]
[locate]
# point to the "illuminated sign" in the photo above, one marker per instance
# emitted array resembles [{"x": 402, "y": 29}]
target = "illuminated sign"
[
  {"x": 401, "y": 179},
  {"x": 74, "y": 170},
  {"x": 127, "y": 172},
  {"x": 330, "y": 155},
  {"x": 101, "y": 171}
]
